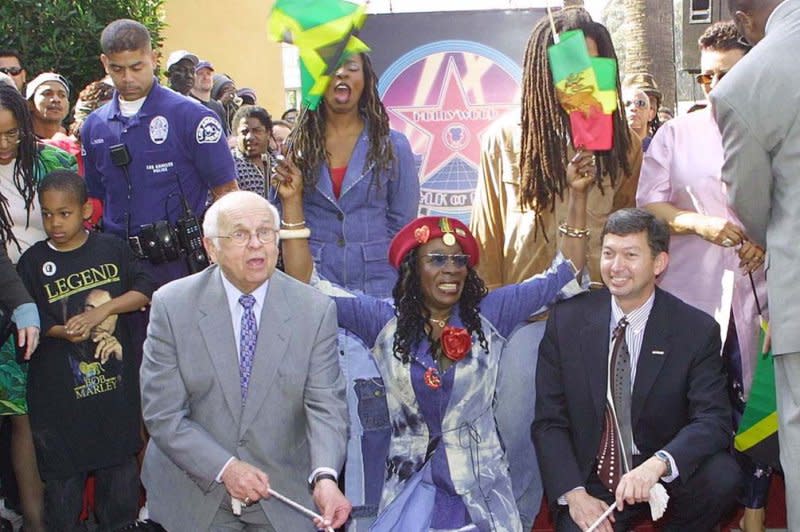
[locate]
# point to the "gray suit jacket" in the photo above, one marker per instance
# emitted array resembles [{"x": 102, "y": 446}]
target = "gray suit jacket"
[
  {"x": 295, "y": 417},
  {"x": 756, "y": 106}
]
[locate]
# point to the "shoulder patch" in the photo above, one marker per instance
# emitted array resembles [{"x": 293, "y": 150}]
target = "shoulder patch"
[
  {"x": 159, "y": 129},
  {"x": 209, "y": 131}
]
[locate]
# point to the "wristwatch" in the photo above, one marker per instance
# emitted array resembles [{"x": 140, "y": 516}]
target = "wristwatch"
[
  {"x": 317, "y": 478},
  {"x": 664, "y": 457}
]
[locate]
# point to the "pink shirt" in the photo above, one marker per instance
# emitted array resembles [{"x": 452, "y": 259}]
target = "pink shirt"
[{"x": 682, "y": 167}]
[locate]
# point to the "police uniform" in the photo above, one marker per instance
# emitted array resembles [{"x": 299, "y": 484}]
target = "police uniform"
[{"x": 171, "y": 138}]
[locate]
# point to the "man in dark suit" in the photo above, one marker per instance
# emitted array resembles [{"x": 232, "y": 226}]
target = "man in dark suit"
[
  {"x": 241, "y": 387},
  {"x": 664, "y": 415}
]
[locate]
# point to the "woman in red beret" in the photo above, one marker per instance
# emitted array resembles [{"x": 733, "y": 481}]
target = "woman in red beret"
[{"x": 437, "y": 350}]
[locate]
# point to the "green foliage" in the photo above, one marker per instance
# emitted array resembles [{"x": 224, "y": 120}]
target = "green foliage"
[
  {"x": 64, "y": 35},
  {"x": 12, "y": 381}
]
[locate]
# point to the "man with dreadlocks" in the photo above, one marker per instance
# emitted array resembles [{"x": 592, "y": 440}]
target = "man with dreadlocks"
[
  {"x": 23, "y": 162},
  {"x": 360, "y": 187},
  {"x": 437, "y": 346},
  {"x": 516, "y": 214}
]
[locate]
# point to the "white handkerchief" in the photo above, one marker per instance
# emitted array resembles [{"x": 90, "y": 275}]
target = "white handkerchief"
[{"x": 658, "y": 501}]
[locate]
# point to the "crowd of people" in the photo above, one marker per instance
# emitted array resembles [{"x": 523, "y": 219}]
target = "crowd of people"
[{"x": 246, "y": 316}]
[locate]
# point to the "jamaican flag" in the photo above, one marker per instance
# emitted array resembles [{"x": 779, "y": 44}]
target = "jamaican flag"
[
  {"x": 324, "y": 33},
  {"x": 757, "y": 436},
  {"x": 586, "y": 88}
]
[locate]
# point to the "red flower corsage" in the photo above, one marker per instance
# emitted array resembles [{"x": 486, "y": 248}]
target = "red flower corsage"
[{"x": 456, "y": 342}]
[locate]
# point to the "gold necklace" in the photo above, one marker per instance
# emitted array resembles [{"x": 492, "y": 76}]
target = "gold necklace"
[{"x": 441, "y": 323}]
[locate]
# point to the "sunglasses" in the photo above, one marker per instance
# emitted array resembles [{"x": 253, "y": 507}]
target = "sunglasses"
[
  {"x": 639, "y": 103},
  {"x": 11, "y": 71},
  {"x": 439, "y": 260},
  {"x": 706, "y": 79}
]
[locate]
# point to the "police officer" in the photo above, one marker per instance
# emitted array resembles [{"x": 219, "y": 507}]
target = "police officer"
[{"x": 149, "y": 149}]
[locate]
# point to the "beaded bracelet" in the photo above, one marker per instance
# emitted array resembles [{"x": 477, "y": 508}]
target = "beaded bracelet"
[
  {"x": 573, "y": 232},
  {"x": 291, "y": 225},
  {"x": 292, "y": 234}
]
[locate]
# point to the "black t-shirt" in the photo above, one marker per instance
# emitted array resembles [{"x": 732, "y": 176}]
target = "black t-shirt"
[{"x": 84, "y": 415}]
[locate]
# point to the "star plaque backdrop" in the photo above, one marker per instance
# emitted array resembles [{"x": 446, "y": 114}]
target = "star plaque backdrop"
[{"x": 445, "y": 89}]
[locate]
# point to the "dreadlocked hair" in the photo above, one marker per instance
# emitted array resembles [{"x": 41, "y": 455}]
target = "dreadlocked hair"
[
  {"x": 309, "y": 138},
  {"x": 26, "y": 161},
  {"x": 413, "y": 315},
  {"x": 545, "y": 125}
]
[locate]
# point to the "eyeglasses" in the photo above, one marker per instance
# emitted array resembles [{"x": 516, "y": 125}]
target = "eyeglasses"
[
  {"x": 11, "y": 71},
  {"x": 12, "y": 136},
  {"x": 639, "y": 103},
  {"x": 707, "y": 79},
  {"x": 241, "y": 238},
  {"x": 439, "y": 260}
]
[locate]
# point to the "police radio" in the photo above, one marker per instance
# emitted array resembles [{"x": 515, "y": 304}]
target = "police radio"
[
  {"x": 190, "y": 235},
  {"x": 120, "y": 155}
]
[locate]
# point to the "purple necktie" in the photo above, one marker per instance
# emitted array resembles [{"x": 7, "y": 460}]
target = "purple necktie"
[{"x": 247, "y": 343}]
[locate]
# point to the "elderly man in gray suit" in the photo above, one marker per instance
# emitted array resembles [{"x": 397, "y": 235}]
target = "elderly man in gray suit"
[
  {"x": 241, "y": 387},
  {"x": 756, "y": 107}
]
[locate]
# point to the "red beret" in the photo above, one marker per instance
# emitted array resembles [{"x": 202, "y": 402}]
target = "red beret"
[{"x": 424, "y": 229}]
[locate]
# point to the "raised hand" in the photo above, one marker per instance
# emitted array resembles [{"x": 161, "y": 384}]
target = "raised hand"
[
  {"x": 581, "y": 171},
  {"x": 288, "y": 180}
]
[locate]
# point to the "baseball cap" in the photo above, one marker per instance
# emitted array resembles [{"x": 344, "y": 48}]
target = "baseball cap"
[
  {"x": 44, "y": 77},
  {"x": 177, "y": 55},
  {"x": 204, "y": 64}
]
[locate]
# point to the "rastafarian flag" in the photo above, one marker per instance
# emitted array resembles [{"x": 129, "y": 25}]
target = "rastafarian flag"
[{"x": 587, "y": 90}]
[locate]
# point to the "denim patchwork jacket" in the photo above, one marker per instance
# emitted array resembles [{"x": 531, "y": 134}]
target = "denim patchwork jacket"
[{"x": 350, "y": 235}]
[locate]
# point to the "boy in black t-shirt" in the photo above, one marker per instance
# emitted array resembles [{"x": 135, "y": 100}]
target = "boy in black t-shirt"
[{"x": 83, "y": 392}]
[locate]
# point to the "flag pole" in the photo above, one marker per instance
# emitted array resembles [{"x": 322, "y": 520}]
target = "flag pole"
[{"x": 556, "y": 38}]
